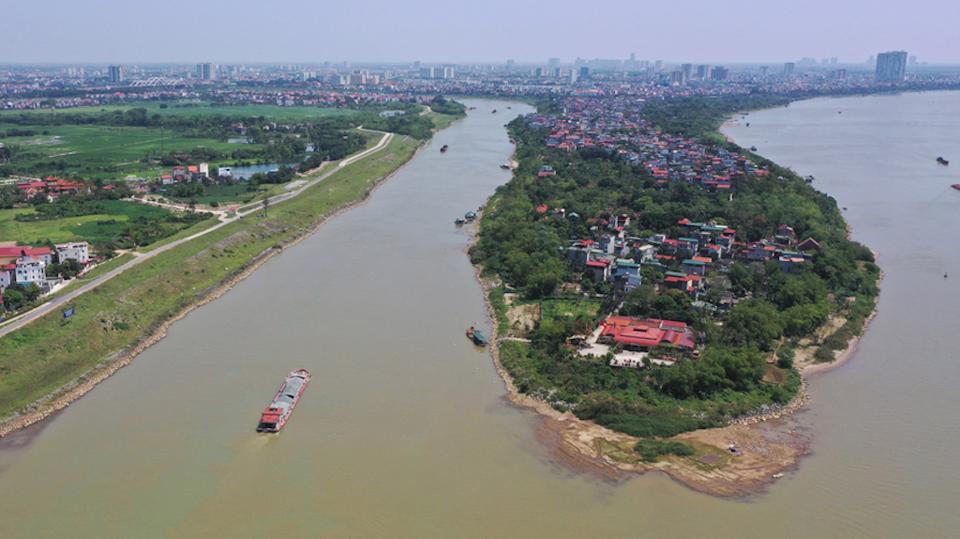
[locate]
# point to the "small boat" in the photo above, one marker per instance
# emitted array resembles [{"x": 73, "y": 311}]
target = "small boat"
[
  {"x": 469, "y": 216},
  {"x": 778, "y": 475},
  {"x": 943, "y": 161},
  {"x": 956, "y": 186},
  {"x": 459, "y": 221},
  {"x": 753, "y": 148},
  {"x": 444, "y": 148},
  {"x": 505, "y": 166},
  {"x": 275, "y": 416},
  {"x": 809, "y": 179},
  {"x": 476, "y": 336},
  {"x": 494, "y": 111}
]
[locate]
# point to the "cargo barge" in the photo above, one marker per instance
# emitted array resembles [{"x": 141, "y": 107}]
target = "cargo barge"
[{"x": 276, "y": 415}]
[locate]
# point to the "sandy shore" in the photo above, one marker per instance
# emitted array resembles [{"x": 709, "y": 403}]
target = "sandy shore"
[{"x": 62, "y": 398}]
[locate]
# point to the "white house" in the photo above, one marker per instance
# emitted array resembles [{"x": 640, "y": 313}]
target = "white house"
[
  {"x": 6, "y": 275},
  {"x": 30, "y": 270},
  {"x": 79, "y": 251}
]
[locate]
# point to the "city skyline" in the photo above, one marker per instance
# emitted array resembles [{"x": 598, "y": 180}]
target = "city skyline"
[{"x": 244, "y": 31}]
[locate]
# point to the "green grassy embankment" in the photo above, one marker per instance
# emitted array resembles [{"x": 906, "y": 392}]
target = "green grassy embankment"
[{"x": 43, "y": 357}]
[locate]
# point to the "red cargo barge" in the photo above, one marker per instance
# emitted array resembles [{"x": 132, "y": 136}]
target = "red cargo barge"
[{"x": 275, "y": 416}]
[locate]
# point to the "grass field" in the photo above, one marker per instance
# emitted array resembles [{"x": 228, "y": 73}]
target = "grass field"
[
  {"x": 49, "y": 353},
  {"x": 442, "y": 121},
  {"x": 95, "y": 228},
  {"x": 102, "y": 151},
  {"x": 112, "y": 152},
  {"x": 222, "y": 193},
  {"x": 193, "y": 108},
  {"x": 569, "y": 309}
]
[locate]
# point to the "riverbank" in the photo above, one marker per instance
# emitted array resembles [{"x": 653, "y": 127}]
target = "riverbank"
[{"x": 133, "y": 311}]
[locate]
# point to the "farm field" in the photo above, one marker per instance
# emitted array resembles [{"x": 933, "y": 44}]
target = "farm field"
[
  {"x": 106, "y": 152},
  {"x": 95, "y": 228},
  {"x": 194, "y": 108}
]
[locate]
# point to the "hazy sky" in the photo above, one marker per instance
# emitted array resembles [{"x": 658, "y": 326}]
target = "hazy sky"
[{"x": 491, "y": 30}]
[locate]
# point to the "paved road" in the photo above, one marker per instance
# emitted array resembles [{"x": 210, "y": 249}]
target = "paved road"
[{"x": 25, "y": 318}]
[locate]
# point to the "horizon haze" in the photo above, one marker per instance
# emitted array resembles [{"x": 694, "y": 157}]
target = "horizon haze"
[{"x": 428, "y": 30}]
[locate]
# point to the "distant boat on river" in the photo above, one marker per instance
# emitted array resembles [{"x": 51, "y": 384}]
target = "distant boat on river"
[
  {"x": 943, "y": 161},
  {"x": 956, "y": 186},
  {"x": 444, "y": 148}
]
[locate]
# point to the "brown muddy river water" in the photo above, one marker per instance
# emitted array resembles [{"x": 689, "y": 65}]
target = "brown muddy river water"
[{"x": 404, "y": 431}]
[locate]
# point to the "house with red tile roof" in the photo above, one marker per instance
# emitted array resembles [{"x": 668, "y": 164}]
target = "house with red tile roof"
[{"x": 643, "y": 334}]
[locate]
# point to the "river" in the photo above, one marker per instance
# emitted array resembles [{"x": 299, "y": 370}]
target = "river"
[{"x": 405, "y": 431}]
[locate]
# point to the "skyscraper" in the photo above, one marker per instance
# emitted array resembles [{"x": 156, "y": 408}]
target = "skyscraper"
[
  {"x": 115, "y": 73},
  {"x": 788, "y": 68},
  {"x": 891, "y": 66},
  {"x": 206, "y": 71}
]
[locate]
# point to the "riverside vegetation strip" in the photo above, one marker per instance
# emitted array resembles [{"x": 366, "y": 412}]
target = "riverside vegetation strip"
[
  {"x": 43, "y": 359},
  {"x": 746, "y": 362}
]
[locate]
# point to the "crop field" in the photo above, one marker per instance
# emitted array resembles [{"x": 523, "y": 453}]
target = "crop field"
[
  {"x": 94, "y": 228},
  {"x": 195, "y": 108},
  {"x": 101, "y": 151}
]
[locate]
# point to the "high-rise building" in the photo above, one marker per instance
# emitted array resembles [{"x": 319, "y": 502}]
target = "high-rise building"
[
  {"x": 703, "y": 72},
  {"x": 687, "y": 70},
  {"x": 448, "y": 72},
  {"x": 206, "y": 71},
  {"x": 789, "y": 68},
  {"x": 763, "y": 71},
  {"x": 584, "y": 72},
  {"x": 719, "y": 73},
  {"x": 115, "y": 73},
  {"x": 891, "y": 66}
]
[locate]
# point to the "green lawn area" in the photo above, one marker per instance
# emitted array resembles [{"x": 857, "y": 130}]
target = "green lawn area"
[
  {"x": 49, "y": 353},
  {"x": 223, "y": 193},
  {"x": 570, "y": 309},
  {"x": 95, "y": 228},
  {"x": 442, "y": 121},
  {"x": 106, "y": 152}
]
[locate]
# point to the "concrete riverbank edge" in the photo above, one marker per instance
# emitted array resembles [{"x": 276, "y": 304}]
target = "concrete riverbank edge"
[{"x": 69, "y": 393}]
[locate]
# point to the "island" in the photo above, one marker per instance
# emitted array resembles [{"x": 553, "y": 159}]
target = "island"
[{"x": 659, "y": 293}]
